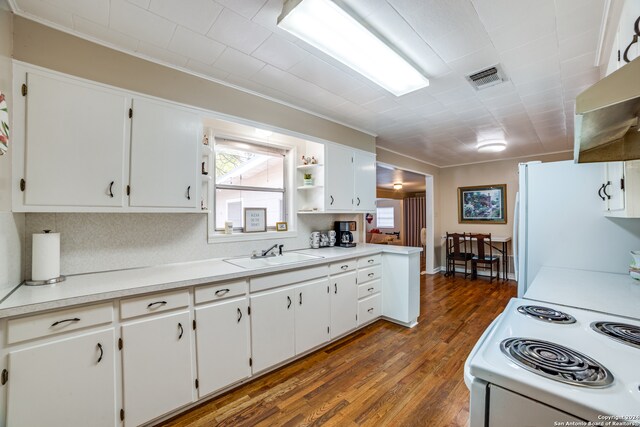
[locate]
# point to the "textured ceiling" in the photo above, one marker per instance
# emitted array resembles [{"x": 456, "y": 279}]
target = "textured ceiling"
[
  {"x": 547, "y": 49},
  {"x": 411, "y": 182}
]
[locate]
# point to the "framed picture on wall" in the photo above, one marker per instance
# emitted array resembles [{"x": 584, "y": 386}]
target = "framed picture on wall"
[
  {"x": 482, "y": 204},
  {"x": 255, "y": 220}
]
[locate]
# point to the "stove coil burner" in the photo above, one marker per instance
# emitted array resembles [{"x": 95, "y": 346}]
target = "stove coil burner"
[
  {"x": 622, "y": 332},
  {"x": 547, "y": 314},
  {"x": 556, "y": 362}
]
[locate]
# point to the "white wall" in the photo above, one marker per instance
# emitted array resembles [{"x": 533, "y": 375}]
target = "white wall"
[{"x": 11, "y": 225}]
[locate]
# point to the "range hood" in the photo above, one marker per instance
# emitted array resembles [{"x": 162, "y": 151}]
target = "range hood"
[{"x": 606, "y": 122}]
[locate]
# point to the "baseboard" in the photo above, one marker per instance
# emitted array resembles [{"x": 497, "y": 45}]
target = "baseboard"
[{"x": 510, "y": 276}]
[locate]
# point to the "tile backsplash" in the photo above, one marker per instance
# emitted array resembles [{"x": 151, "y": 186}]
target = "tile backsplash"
[{"x": 93, "y": 242}]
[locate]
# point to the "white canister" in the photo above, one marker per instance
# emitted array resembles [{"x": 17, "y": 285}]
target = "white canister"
[
  {"x": 228, "y": 227},
  {"x": 45, "y": 256}
]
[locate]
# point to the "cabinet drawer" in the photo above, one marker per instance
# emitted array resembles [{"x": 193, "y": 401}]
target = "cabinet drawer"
[
  {"x": 220, "y": 291},
  {"x": 342, "y": 266},
  {"x": 155, "y": 303},
  {"x": 369, "y": 261},
  {"x": 287, "y": 278},
  {"x": 42, "y": 325},
  {"x": 369, "y": 288},
  {"x": 369, "y": 274},
  {"x": 369, "y": 309}
]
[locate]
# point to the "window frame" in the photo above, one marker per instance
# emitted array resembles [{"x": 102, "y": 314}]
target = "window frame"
[
  {"x": 288, "y": 203},
  {"x": 393, "y": 217}
]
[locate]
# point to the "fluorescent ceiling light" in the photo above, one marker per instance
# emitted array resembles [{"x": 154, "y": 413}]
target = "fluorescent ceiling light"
[
  {"x": 325, "y": 26},
  {"x": 492, "y": 146},
  {"x": 397, "y": 186}
]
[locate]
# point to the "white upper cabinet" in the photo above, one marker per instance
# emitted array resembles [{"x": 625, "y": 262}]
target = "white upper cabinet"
[
  {"x": 619, "y": 191},
  {"x": 164, "y": 155},
  {"x": 350, "y": 179},
  {"x": 75, "y": 143},
  {"x": 364, "y": 181},
  {"x": 338, "y": 178},
  {"x": 80, "y": 146}
]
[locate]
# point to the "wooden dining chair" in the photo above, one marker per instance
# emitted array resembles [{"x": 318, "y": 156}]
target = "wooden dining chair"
[
  {"x": 484, "y": 258},
  {"x": 457, "y": 253}
]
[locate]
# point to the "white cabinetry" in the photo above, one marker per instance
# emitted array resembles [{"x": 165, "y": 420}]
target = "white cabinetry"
[
  {"x": 344, "y": 303},
  {"x": 222, "y": 341},
  {"x": 156, "y": 366},
  {"x": 401, "y": 287},
  {"x": 311, "y": 315},
  {"x": 272, "y": 328},
  {"x": 620, "y": 189},
  {"x": 338, "y": 178},
  {"x": 165, "y": 141},
  {"x": 66, "y": 382},
  {"x": 365, "y": 181},
  {"x": 350, "y": 179},
  {"x": 369, "y": 295},
  {"x": 80, "y": 146},
  {"x": 76, "y": 137}
]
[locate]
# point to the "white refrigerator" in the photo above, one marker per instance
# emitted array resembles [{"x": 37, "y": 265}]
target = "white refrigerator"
[{"x": 560, "y": 222}]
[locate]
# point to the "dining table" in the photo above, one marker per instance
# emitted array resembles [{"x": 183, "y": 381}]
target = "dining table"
[{"x": 499, "y": 243}]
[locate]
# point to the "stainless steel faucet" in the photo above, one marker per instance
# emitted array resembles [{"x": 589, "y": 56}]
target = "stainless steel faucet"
[{"x": 266, "y": 253}]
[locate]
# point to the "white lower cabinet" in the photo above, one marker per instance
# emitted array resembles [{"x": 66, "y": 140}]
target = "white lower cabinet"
[
  {"x": 67, "y": 382},
  {"x": 369, "y": 308},
  {"x": 156, "y": 366},
  {"x": 344, "y": 303},
  {"x": 222, "y": 343},
  {"x": 272, "y": 328},
  {"x": 311, "y": 314}
]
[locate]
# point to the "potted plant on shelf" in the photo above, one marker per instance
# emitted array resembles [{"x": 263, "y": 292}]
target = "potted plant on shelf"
[{"x": 308, "y": 179}]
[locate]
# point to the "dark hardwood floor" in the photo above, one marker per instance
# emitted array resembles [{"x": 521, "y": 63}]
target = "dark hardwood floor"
[{"x": 384, "y": 374}]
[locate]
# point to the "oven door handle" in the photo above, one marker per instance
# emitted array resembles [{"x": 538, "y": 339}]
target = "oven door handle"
[{"x": 467, "y": 368}]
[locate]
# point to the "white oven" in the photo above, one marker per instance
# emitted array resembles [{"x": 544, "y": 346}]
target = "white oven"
[{"x": 538, "y": 365}]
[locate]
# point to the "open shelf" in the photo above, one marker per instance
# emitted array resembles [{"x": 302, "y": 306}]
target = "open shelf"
[
  {"x": 304, "y": 167},
  {"x": 309, "y": 187}
]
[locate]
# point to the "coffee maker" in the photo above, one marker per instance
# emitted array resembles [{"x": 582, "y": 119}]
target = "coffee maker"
[{"x": 344, "y": 235}]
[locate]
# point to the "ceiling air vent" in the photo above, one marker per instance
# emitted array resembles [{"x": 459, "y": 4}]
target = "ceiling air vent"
[{"x": 487, "y": 77}]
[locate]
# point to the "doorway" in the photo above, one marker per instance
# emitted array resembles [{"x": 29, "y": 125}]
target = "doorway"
[{"x": 404, "y": 212}]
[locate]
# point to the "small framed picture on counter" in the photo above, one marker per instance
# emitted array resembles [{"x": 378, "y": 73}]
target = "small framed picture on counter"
[
  {"x": 281, "y": 226},
  {"x": 255, "y": 220}
]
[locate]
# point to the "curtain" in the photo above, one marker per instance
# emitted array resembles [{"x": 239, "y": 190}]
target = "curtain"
[{"x": 414, "y": 219}]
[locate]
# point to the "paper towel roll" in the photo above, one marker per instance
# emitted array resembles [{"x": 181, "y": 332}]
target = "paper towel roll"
[{"x": 45, "y": 259}]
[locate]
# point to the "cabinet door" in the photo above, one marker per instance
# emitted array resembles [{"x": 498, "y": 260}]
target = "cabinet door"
[
  {"x": 156, "y": 365},
  {"x": 75, "y": 143},
  {"x": 69, "y": 382},
  {"x": 364, "y": 181},
  {"x": 344, "y": 303},
  {"x": 222, "y": 342},
  {"x": 272, "y": 330},
  {"x": 614, "y": 188},
  {"x": 312, "y": 314},
  {"x": 164, "y": 155},
  {"x": 338, "y": 178}
]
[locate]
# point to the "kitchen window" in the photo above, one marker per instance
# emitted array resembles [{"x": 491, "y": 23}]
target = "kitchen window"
[
  {"x": 385, "y": 218},
  {"x": 248, "y": 175}
]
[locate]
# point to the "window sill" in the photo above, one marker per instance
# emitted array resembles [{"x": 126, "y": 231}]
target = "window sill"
[{"x": 243, "y": 237}]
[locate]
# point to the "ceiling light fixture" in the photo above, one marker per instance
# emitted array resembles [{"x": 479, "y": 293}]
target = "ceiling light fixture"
[
  {"x": 492, "y": 146},
  {"x": 397, "y": 186},
  {"x": 326, "y": 26}
]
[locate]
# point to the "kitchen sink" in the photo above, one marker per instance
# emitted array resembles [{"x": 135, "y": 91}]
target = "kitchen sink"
[{"x": 271, "y": 261}]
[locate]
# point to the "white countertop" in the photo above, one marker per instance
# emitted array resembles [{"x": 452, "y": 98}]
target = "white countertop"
[
  {"x": 86, "y": 288},
  {"x": 610, "y": 293}
]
